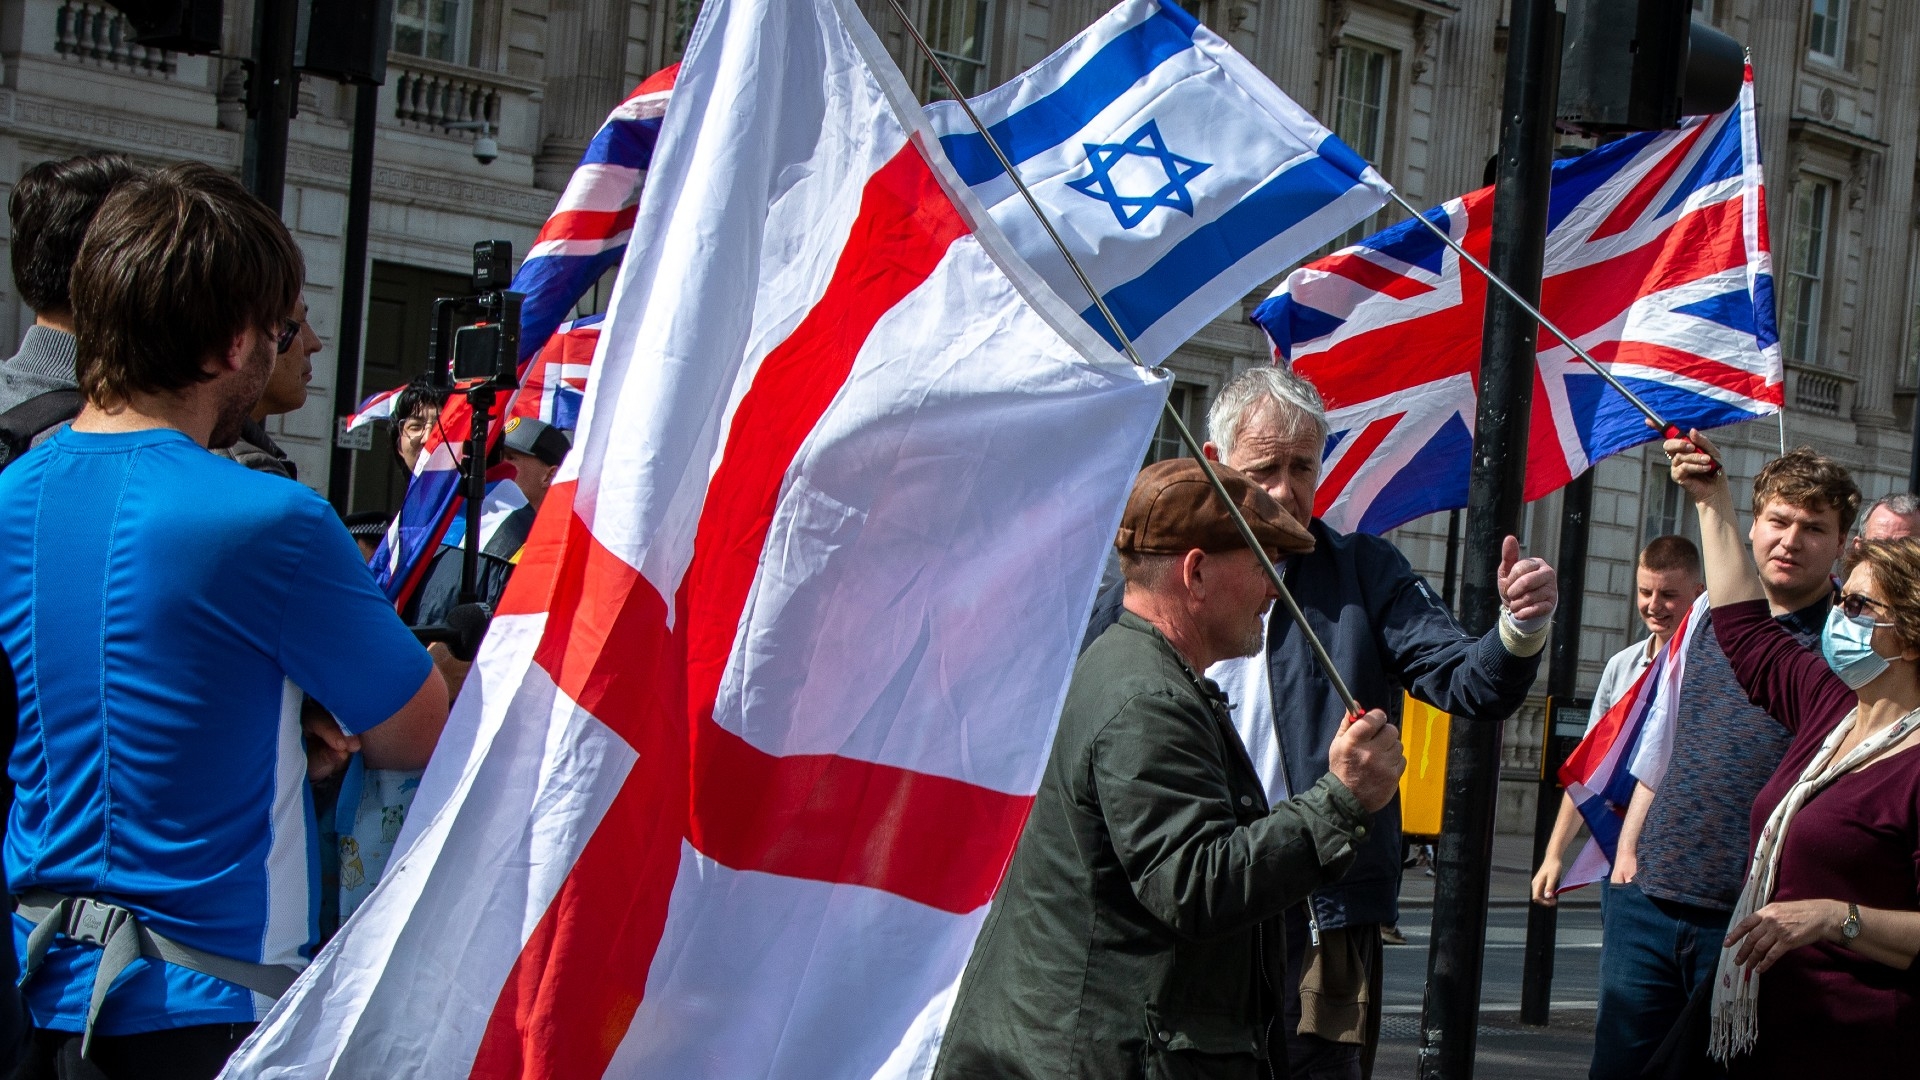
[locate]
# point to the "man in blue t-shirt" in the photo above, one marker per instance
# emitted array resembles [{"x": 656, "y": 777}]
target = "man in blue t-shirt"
[{"x": 164, "y": 610}]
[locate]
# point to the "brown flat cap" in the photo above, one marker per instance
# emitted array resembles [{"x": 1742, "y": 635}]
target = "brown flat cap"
[{"x": 1173, "y": 509}]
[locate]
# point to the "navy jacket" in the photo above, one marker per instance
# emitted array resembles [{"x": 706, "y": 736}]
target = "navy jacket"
[{"x": 1387, "y": 632}]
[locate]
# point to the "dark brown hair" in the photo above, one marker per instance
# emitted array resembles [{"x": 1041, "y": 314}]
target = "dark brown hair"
[
  {"x": 50, "y": 209},
  {"x": 1664, "y": 553},
  {"x": 1804, "y": 478},
  {"x": 175, "y": 266},
  {"x": 1896, "y": 571}
]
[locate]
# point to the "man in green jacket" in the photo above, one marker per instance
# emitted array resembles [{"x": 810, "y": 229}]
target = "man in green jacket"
[{"x": 1137, "y": 933}]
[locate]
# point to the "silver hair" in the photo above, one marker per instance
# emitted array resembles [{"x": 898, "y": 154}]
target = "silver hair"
[
  {"x": 1900, "y": 502},
  {"x": 1298, "y": 405}
]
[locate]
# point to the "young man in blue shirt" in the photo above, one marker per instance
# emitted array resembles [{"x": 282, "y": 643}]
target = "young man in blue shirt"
[{"x": 164, "y": 610}]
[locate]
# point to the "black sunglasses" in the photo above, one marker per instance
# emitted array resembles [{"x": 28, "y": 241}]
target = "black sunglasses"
[
  {"x": 1855, "y": 605},
  {"x": 289, "y": 329}
]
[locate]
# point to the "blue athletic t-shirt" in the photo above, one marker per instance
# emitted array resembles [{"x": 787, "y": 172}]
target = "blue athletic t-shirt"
[{"x": 162, "y": 609}]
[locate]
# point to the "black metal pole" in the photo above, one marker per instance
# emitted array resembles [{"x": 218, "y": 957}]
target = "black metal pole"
[
  {"x": 270, "y": 99},
  {"x": 1464, "y": 857},
  {"x": 1563, "y": 671},
  {"x": 353, "y": 286},
  {"x": 481, "y": 399},
  {"x": 1449, "y": 585}
]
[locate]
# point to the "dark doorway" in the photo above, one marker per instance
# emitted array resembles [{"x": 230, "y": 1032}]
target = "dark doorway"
[{"x": 399, "y": 314}]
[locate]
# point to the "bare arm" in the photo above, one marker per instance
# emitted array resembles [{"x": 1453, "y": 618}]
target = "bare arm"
[
  {"x": 1626, "y": 855},
  {"x": 1888, "y": 937},
  {"x": 406, "y": 739},
  {"x": 1731, "y": 575},
  {"x": 1553, "y": 864}
]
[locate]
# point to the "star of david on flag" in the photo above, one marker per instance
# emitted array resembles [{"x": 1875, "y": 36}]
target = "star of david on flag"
[
  {"x": 1180, "y": 176},
  {"x": 1656, "y": 263},
  {"x": 1099, "y": 183}
]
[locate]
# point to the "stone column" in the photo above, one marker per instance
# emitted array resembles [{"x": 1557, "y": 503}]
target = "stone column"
[{"x": 585, "y": 59}]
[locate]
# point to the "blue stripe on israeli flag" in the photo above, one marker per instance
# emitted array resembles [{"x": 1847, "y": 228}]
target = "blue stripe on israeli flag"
[{"x": 1179, "y": 175}]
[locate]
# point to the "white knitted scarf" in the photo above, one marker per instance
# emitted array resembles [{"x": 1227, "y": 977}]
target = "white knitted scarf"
[{"x": 1736, "y": 993}]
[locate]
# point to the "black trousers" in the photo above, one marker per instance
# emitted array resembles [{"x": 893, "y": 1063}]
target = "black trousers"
[{"x": 188, "y": 1053}]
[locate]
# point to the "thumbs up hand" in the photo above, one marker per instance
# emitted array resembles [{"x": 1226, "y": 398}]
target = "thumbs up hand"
[{"x": 1528, "y": 586}]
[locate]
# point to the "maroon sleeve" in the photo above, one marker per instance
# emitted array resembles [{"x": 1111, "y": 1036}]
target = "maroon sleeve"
[{"x": 1791, "y": 682}]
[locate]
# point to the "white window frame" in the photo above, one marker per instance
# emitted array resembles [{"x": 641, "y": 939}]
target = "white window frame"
[
  {"x": 1806, "y": 265},
  {"x": 965, "y": 59},
  {"x": 461, "y": 36},
  {"x": 1350, "y": 112},
  {"x": 1827, "y": 25}
]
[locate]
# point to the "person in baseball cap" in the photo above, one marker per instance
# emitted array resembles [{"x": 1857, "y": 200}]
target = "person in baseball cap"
[
  {"x": 535, "y": 448},
  {"x": 1143, "y": 904}
]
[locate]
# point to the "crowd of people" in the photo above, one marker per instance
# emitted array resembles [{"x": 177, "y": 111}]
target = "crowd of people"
[{"x": 218, "y": 718}]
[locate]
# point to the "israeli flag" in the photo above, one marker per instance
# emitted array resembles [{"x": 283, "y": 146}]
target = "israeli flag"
[{"x": 1178, "y": 174}]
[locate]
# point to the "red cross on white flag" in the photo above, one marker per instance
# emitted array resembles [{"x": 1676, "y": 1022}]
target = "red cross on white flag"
[{"x": 754, "y": 735}]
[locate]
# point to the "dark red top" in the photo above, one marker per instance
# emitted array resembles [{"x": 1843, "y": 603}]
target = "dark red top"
[{"x": 1858, "y": 840}]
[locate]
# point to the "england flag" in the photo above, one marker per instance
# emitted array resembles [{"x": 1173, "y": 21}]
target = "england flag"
[{"x": 750, "y": 744}]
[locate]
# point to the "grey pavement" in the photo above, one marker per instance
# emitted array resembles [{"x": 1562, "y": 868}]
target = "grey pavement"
[{"x": 1505, "y": 1049}]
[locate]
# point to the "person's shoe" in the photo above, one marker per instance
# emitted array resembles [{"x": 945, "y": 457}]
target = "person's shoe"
[{"x": 1391, "y": 935}]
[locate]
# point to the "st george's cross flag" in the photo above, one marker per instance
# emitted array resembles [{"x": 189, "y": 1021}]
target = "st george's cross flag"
[
  {"x": 1657, "y": 263},
  {"x": 748, "y": 748},
  {"x": 1178, "y": 174},
  {"x": 586, "y": 234}
]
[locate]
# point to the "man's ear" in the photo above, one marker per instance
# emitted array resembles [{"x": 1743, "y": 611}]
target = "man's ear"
[
  {"x": 1193, "y": 573},
  {"x": 1211, "y": 451},
  {"x": 236, "y": 356}
]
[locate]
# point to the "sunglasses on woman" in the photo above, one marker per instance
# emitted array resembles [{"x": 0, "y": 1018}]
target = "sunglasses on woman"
[{"x": 1855, "y": 605}]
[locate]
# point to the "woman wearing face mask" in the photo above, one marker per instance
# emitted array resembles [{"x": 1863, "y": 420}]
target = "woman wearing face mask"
[{"x": 1818, "y": 966}]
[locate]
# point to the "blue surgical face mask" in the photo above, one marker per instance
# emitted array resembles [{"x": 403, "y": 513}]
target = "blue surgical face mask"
[{"x": 1847, "y": 643}]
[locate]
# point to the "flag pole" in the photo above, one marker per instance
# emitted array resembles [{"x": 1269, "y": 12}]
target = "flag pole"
[
  {"x": 1669, "y": 430},
  {"x": 1320, "y": 654}
]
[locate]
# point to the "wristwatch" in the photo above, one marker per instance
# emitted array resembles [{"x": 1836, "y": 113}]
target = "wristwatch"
[{"x": 1851, "y": 928}]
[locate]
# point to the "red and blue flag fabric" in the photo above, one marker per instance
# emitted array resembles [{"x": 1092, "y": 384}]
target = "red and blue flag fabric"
[
  {"x": 1628, "y": 746},
  {"x": 586, "y": 235},
  {"x": 377, "y": 407},
  {"x": 1657, "y": 263},
  {"x": 555, "y": 383}
]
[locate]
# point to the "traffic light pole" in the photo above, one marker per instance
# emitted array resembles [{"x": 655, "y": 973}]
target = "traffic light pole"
[
  {"x": 353, "y": 286},
  {"x": 1464, "y": 856},
  {"x": 270, "y": 90},
  {"x": 1563, "y": 670}
]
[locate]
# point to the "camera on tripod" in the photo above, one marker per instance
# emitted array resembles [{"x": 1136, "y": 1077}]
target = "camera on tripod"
[{"x": 476, "y": 339}]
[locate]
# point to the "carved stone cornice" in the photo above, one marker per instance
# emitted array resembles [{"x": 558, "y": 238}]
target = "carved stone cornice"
[
  {"x": 66, "y": 123},
  {"x": 392, "y": 183}
]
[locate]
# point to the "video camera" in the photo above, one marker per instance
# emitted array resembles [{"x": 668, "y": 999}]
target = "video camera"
[
  {"x": 475, "y": 342},
  {"x": 474, "y": 349}
]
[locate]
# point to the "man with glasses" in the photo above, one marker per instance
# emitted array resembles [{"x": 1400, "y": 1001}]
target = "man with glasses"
[{"x": 286, "y": 391}]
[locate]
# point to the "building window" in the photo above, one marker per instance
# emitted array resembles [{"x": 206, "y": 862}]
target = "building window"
[
  {"x": 1806, "y": 268},
  {"x": 684, "y": 14},
  {"x": 1664, "y": 502},
  {"x": 1361, "y": 91},
  {"x": 1189, "y": 400},
  {"x": 434, "y": 29},
  {"x": 957, "y": 31},
  {"x": 1908, "y": 376},
  {"x": 1827, "y": 39}
]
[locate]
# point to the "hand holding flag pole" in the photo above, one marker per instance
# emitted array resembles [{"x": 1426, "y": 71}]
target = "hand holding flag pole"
[
  {"x": 1666, "y": 428},
  {"x": 1187, "y": 439}
]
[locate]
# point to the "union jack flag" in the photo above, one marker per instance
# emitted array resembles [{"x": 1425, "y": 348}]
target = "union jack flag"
[
  {"x": 586, "y": 234},
  {"x": 1657, "y": 263},
  {"x": 556, "y": 380}
]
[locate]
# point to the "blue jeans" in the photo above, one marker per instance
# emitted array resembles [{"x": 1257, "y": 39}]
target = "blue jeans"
[{"x": 1653, "y": 953}]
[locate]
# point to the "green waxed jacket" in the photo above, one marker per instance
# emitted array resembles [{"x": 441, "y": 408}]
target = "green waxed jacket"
[{"x": 1137, "y": 933}]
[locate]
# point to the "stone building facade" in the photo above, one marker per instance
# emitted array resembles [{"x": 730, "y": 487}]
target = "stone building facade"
[{"x": 1414, "y": 85}]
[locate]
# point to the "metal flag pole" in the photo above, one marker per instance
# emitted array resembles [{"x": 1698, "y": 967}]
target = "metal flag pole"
[
  {"x": 1669, "y": 430},
  {"x": 1126, "y": 343}
]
